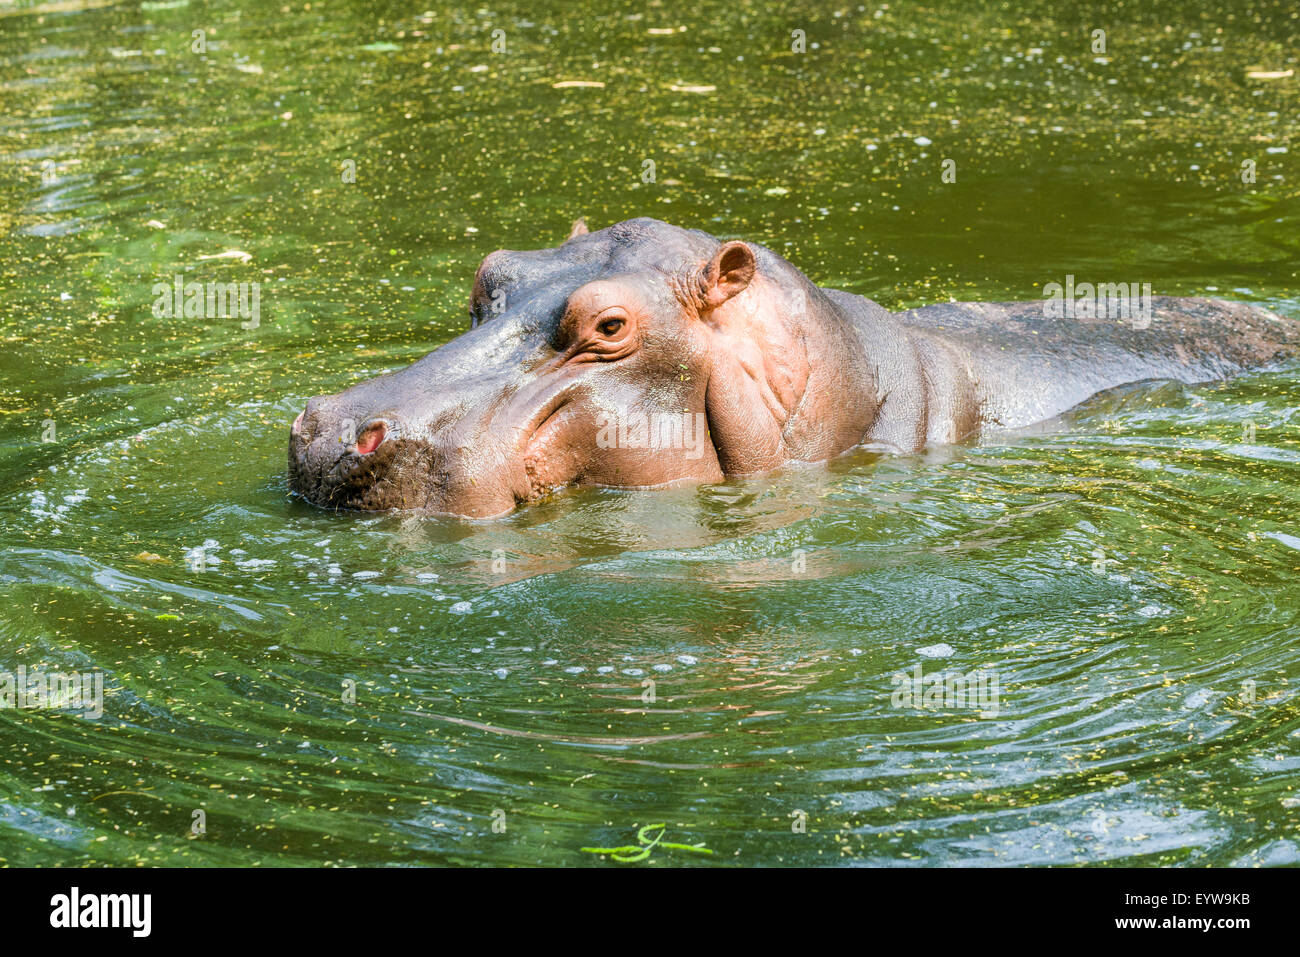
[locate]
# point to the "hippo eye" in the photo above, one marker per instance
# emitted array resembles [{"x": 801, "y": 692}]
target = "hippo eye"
[{"x": 594, "y": 329}]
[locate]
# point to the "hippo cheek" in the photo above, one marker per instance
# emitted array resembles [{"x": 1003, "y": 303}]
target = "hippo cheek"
[
  {"x": 584, "y": 445},
  {"x": 558, "y": 452}
]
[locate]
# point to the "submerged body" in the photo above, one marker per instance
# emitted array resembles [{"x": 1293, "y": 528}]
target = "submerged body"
[{"x": 601, "y": 361}]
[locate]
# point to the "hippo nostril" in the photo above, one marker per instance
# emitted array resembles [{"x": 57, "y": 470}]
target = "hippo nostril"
[
  {"x": 307, "y": 424},
  {"x": 371, "y": 437}
]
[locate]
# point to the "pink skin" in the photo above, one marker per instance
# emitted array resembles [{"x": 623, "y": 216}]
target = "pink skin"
[
  {"x": 707, "y": 349},
  {"x": 647, "y": 323},
  {"x": 371, "y": 438}
]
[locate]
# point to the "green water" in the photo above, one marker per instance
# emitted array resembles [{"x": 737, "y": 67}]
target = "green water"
[{"x": 1128, "y": 574}]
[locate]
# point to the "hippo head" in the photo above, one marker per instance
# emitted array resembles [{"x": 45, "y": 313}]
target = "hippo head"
[{"x": 639, "y": 355}]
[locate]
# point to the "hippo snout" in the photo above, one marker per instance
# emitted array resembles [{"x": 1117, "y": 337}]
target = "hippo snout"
[
  {"x": 310, "y": 420},
  {"x": 338, "y": 456},
  {"x": 344, "y": 456}
]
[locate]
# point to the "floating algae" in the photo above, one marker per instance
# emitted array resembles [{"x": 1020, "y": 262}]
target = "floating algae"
[{"x": 632, "y": 853}]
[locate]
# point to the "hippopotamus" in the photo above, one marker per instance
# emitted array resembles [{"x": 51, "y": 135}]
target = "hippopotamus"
[{"x": 645, "y": 354}]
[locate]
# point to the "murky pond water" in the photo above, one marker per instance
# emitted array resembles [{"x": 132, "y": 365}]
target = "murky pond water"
[{"x": 1117, "y": 591}]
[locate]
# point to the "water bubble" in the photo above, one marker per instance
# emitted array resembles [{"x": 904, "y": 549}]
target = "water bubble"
[{"x": 941, "y": 650}]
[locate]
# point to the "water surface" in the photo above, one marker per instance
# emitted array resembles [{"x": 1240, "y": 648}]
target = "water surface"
[{"x": 342, "y": 689}]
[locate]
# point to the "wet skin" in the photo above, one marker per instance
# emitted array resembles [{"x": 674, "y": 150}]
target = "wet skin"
[{"x": 590, "y": 363}]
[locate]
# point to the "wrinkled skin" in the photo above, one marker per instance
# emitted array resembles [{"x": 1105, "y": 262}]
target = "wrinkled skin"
[{"x": 570, "y": 346}]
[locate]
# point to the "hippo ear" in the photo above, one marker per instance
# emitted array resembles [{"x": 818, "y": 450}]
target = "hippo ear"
[
  {"x": 579, "y": 228},
  {"x": 727, "y": 273}
]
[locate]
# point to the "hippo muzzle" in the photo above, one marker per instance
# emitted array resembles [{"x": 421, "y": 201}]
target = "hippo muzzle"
[
  {"x": 337, "y": 462},
  {"x": 363, "y": 450}
]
